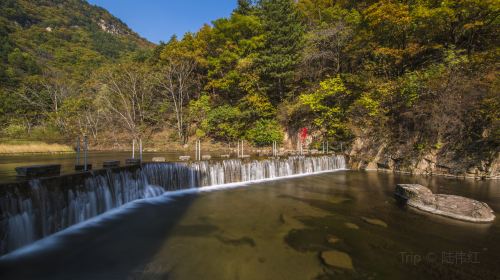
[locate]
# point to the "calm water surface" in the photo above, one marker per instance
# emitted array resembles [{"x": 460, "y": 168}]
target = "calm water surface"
[
  {"x": 8, "y": 163},
  {"x": 275, "y": 230}
]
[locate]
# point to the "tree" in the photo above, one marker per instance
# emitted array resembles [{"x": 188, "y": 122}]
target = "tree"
[
  {"x": 177, "y": 80},
  {"x": 232, "y": 48},
  {"x": 128, "y": 92},
  {"x": 43, "y": 97},
  {"x": 198, "y": 111},
  {"x": 224, "y": 123},
  {"x": 280, "y": 53},
  {"x": 325, "y": 51},
  {"x": 265, "y": 132},
  {"x": 244, "y": 7},
  {"x": 329, "y": 105},
  {"x": 82, "y": 115}
]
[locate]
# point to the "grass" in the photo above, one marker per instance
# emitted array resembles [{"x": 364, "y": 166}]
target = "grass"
[{"x": 33, "y": 147}]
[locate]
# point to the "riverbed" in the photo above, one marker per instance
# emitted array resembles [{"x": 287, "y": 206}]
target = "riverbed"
[{"x": 275, "y": 230}]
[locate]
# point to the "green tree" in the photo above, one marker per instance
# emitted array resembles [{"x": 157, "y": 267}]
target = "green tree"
[
  {"x": 244, "y": 7},
  {"x": 279, "y": 56},
  {"x": 232, "y": 47},
  {"x": 265, "y": 132},
  {"x": 224, "y": 123},
  {"x": 329, "y": 105}
]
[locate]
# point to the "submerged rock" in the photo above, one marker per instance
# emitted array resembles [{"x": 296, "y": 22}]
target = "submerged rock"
[
  {"x": 375, "y": 222},
  {"x": 337, "y": 259},
  {"x": 452, "y": 206},
  {"x": 236, "y": 241},
  {"x": 351, "y": 225},
  {"x": 332, "y": 239},
  {"x": 290, "y": 221},
  {"x": 338, "y": 199}
]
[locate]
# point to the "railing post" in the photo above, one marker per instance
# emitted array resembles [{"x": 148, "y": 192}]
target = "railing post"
[
  {"x": 133, "y": 148},
  {"x": 85, "y": 151},
  {"x": 78, "y": 150},
  {"x": 140, "y": 149},
  {"x": 198, "y": 150}
]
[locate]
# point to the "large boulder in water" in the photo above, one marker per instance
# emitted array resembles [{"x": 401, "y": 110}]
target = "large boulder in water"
[{"x": 452, "y": 206}]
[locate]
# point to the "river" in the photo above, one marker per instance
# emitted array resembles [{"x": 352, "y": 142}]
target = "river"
[{"x": 274, "y": 230}]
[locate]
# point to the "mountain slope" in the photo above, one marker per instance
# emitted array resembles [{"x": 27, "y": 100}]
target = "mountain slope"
[{"x": 69, "y": 35}]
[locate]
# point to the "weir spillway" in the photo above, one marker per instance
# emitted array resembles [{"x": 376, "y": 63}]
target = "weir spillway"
[{"x": 37, "y": 208}]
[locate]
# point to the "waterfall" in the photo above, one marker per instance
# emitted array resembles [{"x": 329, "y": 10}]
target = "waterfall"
[
  {"x": 46, "y": 208},
  {"x": 205, "y": 173}
]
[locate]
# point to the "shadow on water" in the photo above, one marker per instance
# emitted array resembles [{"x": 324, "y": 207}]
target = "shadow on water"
[
  {"x": 109, "y": 236},
  {"x": 116, "y": 248}
]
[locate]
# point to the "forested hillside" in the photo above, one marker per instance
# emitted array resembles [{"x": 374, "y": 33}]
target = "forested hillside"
[
  {"x": 402, "y": 84},
  {"x": 48, "y": 50}
]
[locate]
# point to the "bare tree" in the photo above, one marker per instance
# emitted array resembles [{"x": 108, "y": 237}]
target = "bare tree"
[
  {"x": 128, "y": 91},
  {"x": 93, "y": 122},
  {"x": 177, "y": 79},
  {"x": 325, "y": 49},
  {"x": 47, "y": 96}
]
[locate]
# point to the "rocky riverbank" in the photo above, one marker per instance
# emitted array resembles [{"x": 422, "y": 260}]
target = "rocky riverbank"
[{"x": 372, "y": 155}]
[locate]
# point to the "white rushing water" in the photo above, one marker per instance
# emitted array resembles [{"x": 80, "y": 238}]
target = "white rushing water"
[{"x": 47, "y": 210}]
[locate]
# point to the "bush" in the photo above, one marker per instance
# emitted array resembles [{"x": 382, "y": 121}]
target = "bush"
[
  {"x": 265, "y": 132},
  {"x": 14, "y": 130},
  {"x": 223, "y": 123}
]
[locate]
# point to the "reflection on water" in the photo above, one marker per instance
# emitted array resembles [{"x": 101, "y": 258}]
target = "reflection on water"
[{"x": 277, "y": 230}]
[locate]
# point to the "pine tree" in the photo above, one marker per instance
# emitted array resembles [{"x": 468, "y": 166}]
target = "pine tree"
[
  {"x": 244, "y": 7},
  {"x": 280, "y": 54}
]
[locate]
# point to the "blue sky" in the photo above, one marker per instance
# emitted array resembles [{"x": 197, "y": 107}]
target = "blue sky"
[{"x": 158, "y": 20}]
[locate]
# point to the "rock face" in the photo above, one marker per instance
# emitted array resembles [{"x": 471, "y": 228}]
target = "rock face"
[
  {"x": 452, "y": 206},
  {"x": 368, "y": 153}
]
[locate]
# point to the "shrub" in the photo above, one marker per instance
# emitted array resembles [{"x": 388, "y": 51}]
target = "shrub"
[
  {"x": 264, "y": 132},
  {"x": 223, "y": 123}
]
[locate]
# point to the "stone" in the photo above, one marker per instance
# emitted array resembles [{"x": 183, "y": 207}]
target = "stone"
[
  {"x": 132, "y": 161},
  {"x": 338, "y": 199},
  {"x": 206, "y": 157},
  {"x": 451, "y": 206},
  {"x": 375, "y": 222},
  {"x": 39, "y": 170},
  {"x": 81, "y": 167},
  {"x": 184, "y": 158},
  {"x": 337, "y": 259},
  {"x": 351, "y": 225},
  {"x": 111, "y": 163},
  {"x": 159, "y": 159},
  {"x": 332, "y": 239}
]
